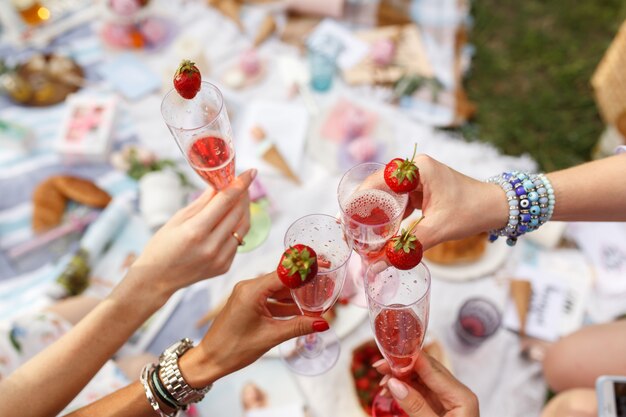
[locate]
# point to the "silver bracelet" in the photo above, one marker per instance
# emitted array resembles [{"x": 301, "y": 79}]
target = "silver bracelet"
[
  {"x": 172, "y": 378},
  {"x": 150, "y": 395}
]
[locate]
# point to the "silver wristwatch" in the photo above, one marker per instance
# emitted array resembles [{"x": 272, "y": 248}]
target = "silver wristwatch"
[{"x": 173, "y": 379}]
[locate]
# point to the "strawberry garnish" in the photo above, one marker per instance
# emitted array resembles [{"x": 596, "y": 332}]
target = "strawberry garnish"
[
  {"x": 404, "y": 251},
  {"x": 297, "y": 266},
  {"x": 402, "y": 175},
  {"x": 187, "y": 79}
]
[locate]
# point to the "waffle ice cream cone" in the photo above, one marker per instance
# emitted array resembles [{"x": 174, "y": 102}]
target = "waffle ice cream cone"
[
  {"x": 230, "y": 9},
  {"x": 267, "y": 28},
  {"x": 270, "y": 154},
  {"x": 521, "y": 291}
]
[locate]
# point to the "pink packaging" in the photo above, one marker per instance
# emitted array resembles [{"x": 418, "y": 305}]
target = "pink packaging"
[{"x": 86, "y": 130}]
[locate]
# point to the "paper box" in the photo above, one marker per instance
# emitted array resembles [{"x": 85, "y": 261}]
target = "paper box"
[{"x": 86, "y": 129}]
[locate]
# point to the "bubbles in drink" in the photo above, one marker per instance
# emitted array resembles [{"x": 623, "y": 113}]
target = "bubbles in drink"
[
  {"x": 373, "y": 207},
  {"x": 399, "y": 333},
  {"x": 212, "y": 158},
  {"x": 373, "y": 216}
]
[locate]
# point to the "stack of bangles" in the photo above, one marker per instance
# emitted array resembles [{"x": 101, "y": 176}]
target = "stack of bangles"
[
  {"x": 531, "y": 203},
  {"x": 154, "y": 389}
]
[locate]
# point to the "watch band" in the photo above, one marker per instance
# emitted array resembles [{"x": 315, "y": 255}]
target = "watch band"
[{"x": 173, "y": 379}]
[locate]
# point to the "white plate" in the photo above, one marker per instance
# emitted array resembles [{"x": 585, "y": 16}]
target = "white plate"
[
  {"x": 348, "y": 318},
  {"x": 493, "y": 258}
]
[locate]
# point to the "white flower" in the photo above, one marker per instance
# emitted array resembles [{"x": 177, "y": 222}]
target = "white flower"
[
  {"x": 145, "y": 156},
  {"x": 120, "y": 161}
]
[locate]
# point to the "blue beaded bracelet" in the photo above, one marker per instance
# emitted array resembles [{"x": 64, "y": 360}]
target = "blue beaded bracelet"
[{"x": 531, "y": 203}]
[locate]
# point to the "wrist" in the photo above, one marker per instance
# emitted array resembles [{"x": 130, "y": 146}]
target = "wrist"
[
  {"x": 498, "y": 212},
  {"x": 139, "y": 289},
  {"x": 199, "y": 367},
  {"x": 491, "y": 207}
]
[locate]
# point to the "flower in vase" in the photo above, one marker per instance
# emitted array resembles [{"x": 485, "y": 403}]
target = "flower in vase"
[{"x": 137, "y": 161}]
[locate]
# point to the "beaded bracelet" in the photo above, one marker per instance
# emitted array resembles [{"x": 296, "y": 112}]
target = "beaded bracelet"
[
  {"x": 531, "y": 203},
  {"x": 145, "y": 375}
]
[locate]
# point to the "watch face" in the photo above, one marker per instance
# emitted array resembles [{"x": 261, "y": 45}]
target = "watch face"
[{"x": 183, "y": 346}]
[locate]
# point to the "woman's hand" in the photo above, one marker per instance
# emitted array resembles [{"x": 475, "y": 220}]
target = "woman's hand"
[
  {"x": 435, "y": 394},
  {"x": 454, "y": 205},
  {"x": 246, "y": 329},
  {"x": 198, "y": 241}
]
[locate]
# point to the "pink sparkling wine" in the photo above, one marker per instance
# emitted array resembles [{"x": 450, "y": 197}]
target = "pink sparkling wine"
[
  {"x": 399, "y": 333},
  {"x": 214, "y": 160},
  {"x": 371, "y": 213},
  {"x": 315, "y": 297}
]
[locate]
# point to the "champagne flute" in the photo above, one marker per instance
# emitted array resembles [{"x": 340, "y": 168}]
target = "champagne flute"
[
  {"x": 316, "y": 353},
  {"x": 398, "y": 302},
  {"x": 371, "y": 214},
  {"x": 203, "y": 133}
]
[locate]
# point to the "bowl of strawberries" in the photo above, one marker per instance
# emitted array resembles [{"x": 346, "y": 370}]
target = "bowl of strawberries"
[{"x": 366, "y": 378}]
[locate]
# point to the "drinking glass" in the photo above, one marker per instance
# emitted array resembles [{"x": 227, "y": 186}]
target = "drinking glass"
[
  {"x": 203, "y": 133},
  {"x": 322, "y": 56},
  {"x": 477, "y": 321},
  {"x": 371, "y": 214},
  {"x": 398, "y": 303},
  {"x": 316, "y": 353}
]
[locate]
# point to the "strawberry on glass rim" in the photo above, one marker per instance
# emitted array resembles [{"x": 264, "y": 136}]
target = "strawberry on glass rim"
[
  {"x": 402, "y": 175},
  {"x": 404, "y": 251},
  {"x": 297, "y": 266},
  {"x": 187, "y": 79}
]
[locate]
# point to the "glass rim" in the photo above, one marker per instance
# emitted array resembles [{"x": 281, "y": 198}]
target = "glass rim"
[
  {"x": 343, "y": 212},
  {"x": 399, "y": 306},
  {"x": 340, "y": 229},
  {"x": 217, "y": 114}
]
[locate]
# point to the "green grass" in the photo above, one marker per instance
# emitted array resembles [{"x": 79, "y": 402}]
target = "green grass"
[{"x": 531, "y": 74}]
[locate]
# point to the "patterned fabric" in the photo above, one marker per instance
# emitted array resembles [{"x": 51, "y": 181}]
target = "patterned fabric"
[
  {"x": 19, "y": 177},
  {"x": 26, "y": 336}
]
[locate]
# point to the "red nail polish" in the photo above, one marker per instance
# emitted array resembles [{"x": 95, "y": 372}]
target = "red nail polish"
[{"x": 320, "y": 326}]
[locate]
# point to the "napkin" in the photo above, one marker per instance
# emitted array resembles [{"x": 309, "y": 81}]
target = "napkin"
[
  {"x": 130, "y": 76},
  {"x": 560, "y": 280},
  {"x": 605, "y": 246},
  {"x": 285, "y": 125}
]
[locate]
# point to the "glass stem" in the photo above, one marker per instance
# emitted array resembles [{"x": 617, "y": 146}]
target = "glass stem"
[{"x": 365, "y": 263}]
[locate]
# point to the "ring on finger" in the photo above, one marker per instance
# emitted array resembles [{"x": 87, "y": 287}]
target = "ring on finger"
[{"x": 239, "y": 239}]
